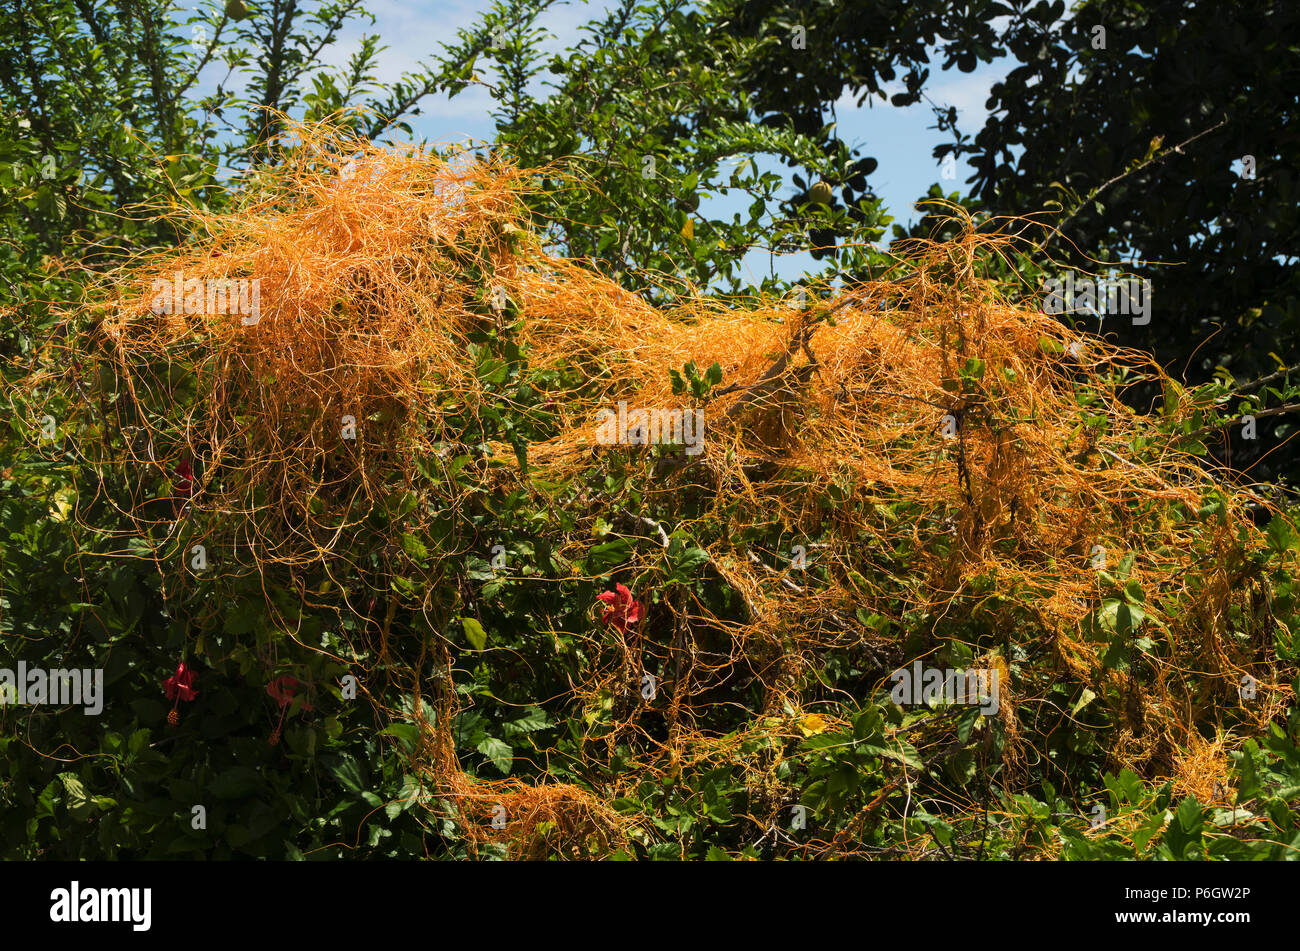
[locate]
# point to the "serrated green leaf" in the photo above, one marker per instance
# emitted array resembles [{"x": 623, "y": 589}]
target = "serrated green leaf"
[{"x": 501, "y": 755}]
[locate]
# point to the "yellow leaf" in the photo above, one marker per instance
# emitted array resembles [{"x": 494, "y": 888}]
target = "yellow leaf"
[
  {"x": 688, "y": 229},
  {"x": 61, "y": 505},
  {"x": 812, "y": 723}
]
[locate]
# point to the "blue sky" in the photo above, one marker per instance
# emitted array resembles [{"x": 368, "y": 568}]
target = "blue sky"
[{"x": 901, "y": 139}]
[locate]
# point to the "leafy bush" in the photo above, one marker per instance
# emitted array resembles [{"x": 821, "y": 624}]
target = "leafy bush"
[{"x": 430, "y": 609}]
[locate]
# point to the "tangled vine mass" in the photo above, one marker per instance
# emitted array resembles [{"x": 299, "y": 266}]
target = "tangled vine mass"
[{"x": 389, "y": 487}]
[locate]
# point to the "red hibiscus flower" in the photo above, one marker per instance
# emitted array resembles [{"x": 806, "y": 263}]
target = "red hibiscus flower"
[
  {"x": 283, "y": 689},
  {"x": 621, "y": 609},
  {"x": 179, "y": 686},
  {"x": 183, "y": 485}
]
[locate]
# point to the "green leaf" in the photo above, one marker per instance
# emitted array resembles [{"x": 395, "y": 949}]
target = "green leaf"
[
  {"x": 1085, "y": 698},
  {"x": 1129, "y": 618},
  {"x": 1050, "y": 346},
  {"x": 1105, "y": 620},
  {"x": 1117, "y": 654},
  {"x": 348, "y": 773},
  {"x": 1188, "y": 815},
  {"x": 408, "y": 733},
  {"x": 1126, "y": 787},
  {"x": 1215, "y": 505},
  {"x": 501, "y": 755},
  {"x": 1281, "y": 534},
  {"x": 904, "y": 753},
  {"x": 414, "y": 547},
  {"x": 609, "y": 554},
  {"x": 78, "y": 803},
  {"x": 401, "y": 504},
  {"x": 534, "y": 719},
  {"x": 1247, "y": 777},
  {"x": 687, "y": 561},
  {"x": 474, "y": 632},
  {"x": 869, "y": 724}
]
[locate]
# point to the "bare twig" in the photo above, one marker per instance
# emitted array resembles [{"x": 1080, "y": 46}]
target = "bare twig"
[
  {"x": 1092, "y": 196},
  {"x": 1258, "y": 414},
  {"x": 785, "y": 582}
]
